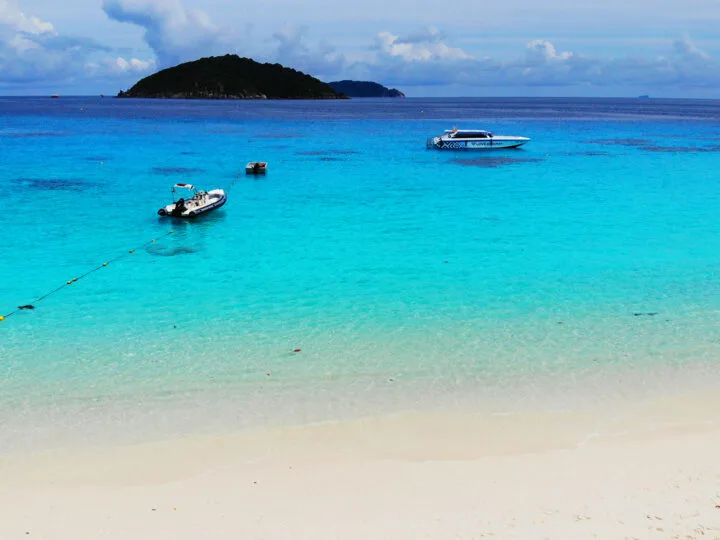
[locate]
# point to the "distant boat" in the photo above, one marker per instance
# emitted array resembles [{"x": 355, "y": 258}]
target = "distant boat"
[
  {"x": 256, "y": 167},
  {"x": 474, "y": 139},
  {"x": 54, "y": 96},
  {"x": 201, "y": 202}
]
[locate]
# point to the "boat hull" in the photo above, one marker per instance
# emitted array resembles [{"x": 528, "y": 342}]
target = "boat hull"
[
  {"x": 219, "y": 200},
  {"x": 256, "y": 168},
  {"x": 494, "y": 143}
]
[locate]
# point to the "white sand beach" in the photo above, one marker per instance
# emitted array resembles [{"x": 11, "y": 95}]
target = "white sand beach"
[{"x": 651, "y": 470}]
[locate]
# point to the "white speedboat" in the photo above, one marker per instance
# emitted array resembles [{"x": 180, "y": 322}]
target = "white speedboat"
[
  {"x": 474, "y": 139},
  {"x": 201, "y": 202}
]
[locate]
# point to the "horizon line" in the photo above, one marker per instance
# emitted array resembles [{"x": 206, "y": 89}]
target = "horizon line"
[{"x": 114, "y": 96}]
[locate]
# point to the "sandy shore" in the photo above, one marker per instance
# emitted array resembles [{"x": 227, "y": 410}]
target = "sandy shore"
[{"x": 647, "y": 471}]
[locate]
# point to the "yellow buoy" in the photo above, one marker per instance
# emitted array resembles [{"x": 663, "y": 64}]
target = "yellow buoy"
[
  {"x": 2, "y": 317},
  {"x": 69, "y": 282},
  {"x": 131, "y": 251},
  {"x": 105, "y": 264}
]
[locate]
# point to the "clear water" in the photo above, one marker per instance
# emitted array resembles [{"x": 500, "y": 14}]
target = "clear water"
[{"x": 407, "y": 277}]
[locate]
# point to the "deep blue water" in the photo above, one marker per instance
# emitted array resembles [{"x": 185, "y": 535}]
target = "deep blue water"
[{"x": 594, "y": 245}]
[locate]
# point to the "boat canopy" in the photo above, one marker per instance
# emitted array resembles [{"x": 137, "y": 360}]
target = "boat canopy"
[{"x": 184, "y": 186}]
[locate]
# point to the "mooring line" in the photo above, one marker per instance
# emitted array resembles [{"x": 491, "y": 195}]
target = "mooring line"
[
  {"x": 73, "y": 280},
  {"x": 232, "y": 185}
]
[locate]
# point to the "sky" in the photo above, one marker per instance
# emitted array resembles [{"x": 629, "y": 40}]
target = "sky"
[{"x": 613, "y": 48}]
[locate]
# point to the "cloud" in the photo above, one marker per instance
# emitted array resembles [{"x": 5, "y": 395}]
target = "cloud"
[
  {"x": 174, "y": 33},
  {"x": 11, "y": 16},
  {"x": 422, "y": 46},
  {"x": 293, "y": 50},
  {"x": 119, "y": 66},
  {"x": 425, "y": 59},
  {"x": 687, "y": 50},
  {"x": 541, "y": 52},
  {"x": 54, "y": 42},
  {"x": 32, "y": 51},
  {"x": 426, "y": 35},
  {"x": 177, "y": 34}
]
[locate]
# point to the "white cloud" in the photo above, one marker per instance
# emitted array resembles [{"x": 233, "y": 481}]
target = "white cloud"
[
  {"x": 423, "y": 46},
  {"x": 540, "y": 51},
  {"x": 32, "y": 51},
  {"x": 176, "y": 34},
  {"x": 119, "y": 66},
  {"x": 425, "y": 60},
  {"x": 10, "y": 15}
]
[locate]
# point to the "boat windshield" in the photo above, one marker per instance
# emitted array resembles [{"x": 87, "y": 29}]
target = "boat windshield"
[
  {"x": 472, "y": 135},
  {"x": 180, "y": 189}
]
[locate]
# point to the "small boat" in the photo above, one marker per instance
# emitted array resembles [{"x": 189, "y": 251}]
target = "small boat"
[
  {"x": 256, "y": 167},
  {"x": 200, "y": 203},
  {"x": 55, "y": 96},
  {"x": 474, "y": 139}
]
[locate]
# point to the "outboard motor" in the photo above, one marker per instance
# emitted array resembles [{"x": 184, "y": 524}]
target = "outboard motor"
[{"x": 179, "y": 208}]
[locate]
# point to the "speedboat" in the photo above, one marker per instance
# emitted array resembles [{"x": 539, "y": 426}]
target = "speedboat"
[
  {"x": 201, "y": 202},
  {"x": 474, "y": 139}
]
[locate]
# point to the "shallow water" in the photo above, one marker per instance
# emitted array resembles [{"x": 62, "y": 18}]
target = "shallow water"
[{"x": 447, "y": 275}]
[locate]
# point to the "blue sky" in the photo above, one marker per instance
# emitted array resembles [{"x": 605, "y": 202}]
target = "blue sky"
[{"x": 663, "y": 48}]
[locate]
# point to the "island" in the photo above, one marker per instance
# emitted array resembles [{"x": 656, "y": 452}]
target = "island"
[
  {"x": 365, "y": 89},
  {"x": 230, "y": 77}
]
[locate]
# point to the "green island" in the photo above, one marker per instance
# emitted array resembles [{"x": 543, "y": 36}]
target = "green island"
[
  {"x": 362, "y": 89},
  {"x": 230, "y": 77}
]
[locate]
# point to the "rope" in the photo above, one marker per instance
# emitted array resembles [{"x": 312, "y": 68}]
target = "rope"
[
  {"x": 232, "y": 185},
  {"x": 103, "y": 265},
  {"x": 73, "y": 280}
]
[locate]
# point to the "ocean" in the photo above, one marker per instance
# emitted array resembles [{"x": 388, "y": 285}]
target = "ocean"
[{"x": 364, "y": 274}]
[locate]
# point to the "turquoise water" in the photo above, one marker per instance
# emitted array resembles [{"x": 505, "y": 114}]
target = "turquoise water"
[{"x": 405, "y": 276}]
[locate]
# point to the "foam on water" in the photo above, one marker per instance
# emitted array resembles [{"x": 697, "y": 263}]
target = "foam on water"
[{"x": 406, "y": 277}]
